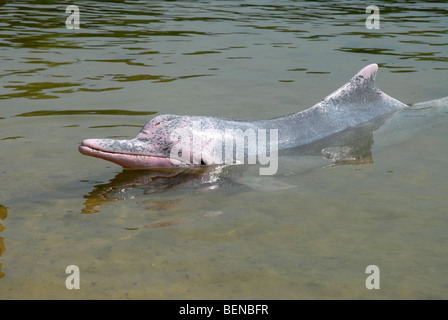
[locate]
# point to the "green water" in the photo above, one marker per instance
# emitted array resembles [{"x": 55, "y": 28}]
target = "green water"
[{"x": 308, "y": 232}]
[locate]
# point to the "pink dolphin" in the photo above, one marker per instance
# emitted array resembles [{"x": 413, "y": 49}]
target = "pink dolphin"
[{"x": 168, "y": 141}]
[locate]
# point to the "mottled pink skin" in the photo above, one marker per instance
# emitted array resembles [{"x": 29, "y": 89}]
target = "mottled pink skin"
[
  {"x": 149, "y": 149},
  {"x": 356, "y": 102}
]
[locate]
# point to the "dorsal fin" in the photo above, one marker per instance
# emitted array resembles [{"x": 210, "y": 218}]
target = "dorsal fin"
[
  {"x": 358, "y": 88},
  {"x": 360, "y": 91}
]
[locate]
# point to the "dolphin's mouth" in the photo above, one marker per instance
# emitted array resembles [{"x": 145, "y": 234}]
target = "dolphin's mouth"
[
  {"x": 100, "y": 153},
  {"x": 126, "y": 158}
]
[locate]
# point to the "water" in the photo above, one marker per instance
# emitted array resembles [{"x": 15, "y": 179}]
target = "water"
[{"x": 308, "y": 232}]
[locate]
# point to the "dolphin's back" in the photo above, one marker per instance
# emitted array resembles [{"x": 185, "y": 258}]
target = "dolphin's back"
[{"x": 356, "y": 102}]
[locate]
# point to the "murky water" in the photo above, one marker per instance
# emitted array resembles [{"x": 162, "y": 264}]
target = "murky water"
[{"x": 309, "y": 231}]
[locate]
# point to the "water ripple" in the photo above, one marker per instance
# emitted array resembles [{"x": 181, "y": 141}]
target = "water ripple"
[{"x": 156, "y": 35}]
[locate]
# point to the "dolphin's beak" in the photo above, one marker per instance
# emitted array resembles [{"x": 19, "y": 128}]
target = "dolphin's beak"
[{"x": 127, "y": 153}]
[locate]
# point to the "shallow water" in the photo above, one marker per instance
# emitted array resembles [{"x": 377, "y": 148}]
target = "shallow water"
[{"x": 308, "y": 232}]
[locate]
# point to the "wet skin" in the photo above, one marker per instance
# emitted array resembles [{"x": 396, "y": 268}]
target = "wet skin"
[{"x": 356, "y": 102}]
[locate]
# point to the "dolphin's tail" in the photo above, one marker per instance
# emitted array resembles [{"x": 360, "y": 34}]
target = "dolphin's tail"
[{"x": 437, "y": 103}]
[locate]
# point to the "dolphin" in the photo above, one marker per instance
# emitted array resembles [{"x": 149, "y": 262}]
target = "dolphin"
[{"x": 173, "y": 141}]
